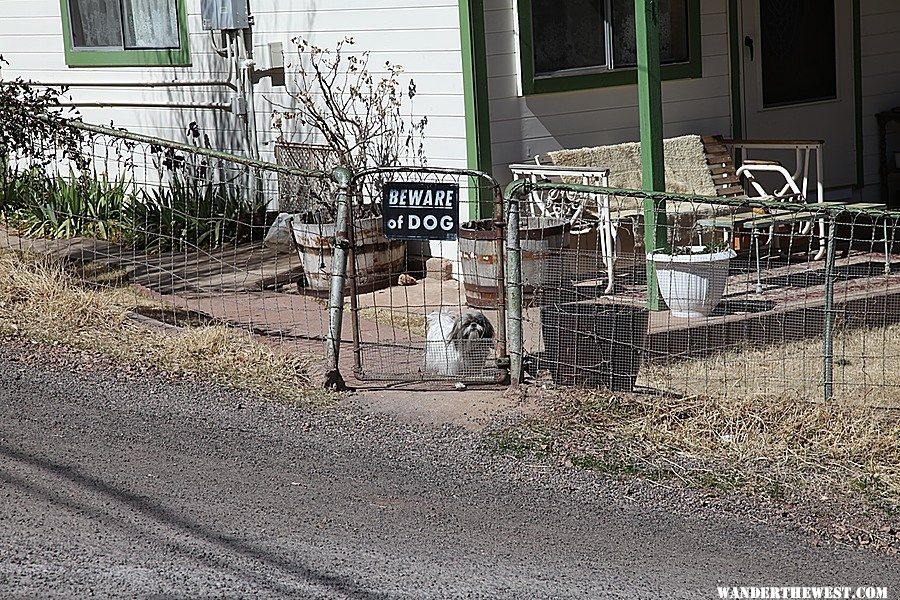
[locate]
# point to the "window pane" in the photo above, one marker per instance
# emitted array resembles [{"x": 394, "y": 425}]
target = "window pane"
[
  {"x": 150, "y": 24},
  {"x": 673, "y": 32},
  {"x": 798, "y": 52},
  {"x": 96, "y": 23},
  {"x": 567, "y": 34}
]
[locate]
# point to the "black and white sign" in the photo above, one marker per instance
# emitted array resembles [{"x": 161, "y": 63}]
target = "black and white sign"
[{"x": 420, "y": 211}]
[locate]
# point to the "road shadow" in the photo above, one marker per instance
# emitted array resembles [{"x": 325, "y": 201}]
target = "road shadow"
[{"x": 166, "y": 517}]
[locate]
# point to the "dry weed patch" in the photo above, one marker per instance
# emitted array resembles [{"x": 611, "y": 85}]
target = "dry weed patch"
[
  {"x": 762, "y": 443},
  {"x": 866, "y": 369},
  {"x": 41, "y": 301}
]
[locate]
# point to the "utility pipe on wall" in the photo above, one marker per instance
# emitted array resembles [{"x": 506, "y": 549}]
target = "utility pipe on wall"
[
  {"x": 113, "y": 104},
  {"x": 245, "y": 75},
  {"x": 160, "y": 83}
]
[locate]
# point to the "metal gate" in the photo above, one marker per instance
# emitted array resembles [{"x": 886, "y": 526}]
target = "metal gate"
[{"x": 424, "y": 277}]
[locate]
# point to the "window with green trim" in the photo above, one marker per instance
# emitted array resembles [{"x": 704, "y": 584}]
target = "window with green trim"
[
  {"x": 125, "y": 32},
  {"x": 577, "y": 44}
]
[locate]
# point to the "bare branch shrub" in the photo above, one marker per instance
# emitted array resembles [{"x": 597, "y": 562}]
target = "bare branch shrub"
[
  {"x": 357, "y": 114},
  {"x": 33, "y": 125}
]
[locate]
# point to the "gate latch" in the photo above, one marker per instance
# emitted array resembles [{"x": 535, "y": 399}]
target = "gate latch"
[{"x": 340, "y": 242}]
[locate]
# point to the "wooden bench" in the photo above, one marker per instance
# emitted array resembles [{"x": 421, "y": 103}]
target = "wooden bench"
[{"x": 728, "y": 181}]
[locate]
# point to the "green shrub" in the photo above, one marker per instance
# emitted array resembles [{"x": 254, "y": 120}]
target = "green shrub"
[
  {"x": 192, "y": 213},
  {"x": 66, "y": 207}
]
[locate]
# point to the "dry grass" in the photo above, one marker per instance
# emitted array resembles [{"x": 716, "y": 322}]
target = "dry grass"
[
  {"x": 767, "y": 444},
  {"x": 409, "y": 322},
  {"x": 747, "y": 417},
  {"x": 866, "y": 370},
  {"x": 41, "y": 301}
]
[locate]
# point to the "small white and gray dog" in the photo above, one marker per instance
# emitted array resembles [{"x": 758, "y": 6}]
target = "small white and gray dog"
[{"x": 457, "y": 345}]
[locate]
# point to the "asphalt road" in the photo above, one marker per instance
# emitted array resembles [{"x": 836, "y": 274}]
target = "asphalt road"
[{"x": 128, "y": 485}]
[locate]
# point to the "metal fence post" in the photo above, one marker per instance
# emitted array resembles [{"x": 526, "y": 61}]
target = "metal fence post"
[
  {"x": 514, "y": 290},
  {"x": 333, "y": 378},
  {"x": 500, "y": 227},
  {"x": 828, "y": 326}
]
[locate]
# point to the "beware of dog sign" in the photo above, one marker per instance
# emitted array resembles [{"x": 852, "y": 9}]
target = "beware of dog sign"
[{"x": 420, "y": 211}]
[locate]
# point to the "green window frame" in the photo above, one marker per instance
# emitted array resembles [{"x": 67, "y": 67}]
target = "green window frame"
[
  {"x": 531, "y": 84},
  {"x": 79, "y": 57}
]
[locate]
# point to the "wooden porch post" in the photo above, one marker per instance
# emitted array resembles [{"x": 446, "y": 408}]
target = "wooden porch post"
[{"x": 646, "y": 16}]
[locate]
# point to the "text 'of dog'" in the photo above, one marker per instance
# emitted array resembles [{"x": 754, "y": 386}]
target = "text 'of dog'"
[{"x": 428, "y": 222}]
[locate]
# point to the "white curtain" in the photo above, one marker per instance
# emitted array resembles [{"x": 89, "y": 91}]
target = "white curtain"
[
  {"x": 672, "y": 32},
  {"x": 96, "y": 23},
  {"x": 150, "y": 23}
]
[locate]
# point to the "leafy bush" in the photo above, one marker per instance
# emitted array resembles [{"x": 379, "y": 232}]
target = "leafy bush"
[
  {"x": 33, "y": 126},
  {"x": 187, "y": 209},
  {"x": 191, "y": 213},
  {"x": 65, "y": 207},
  {"x": 185, "y": 214}
]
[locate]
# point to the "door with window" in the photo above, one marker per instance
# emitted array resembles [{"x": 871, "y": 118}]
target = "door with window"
[{"x": 798, "y": 76}]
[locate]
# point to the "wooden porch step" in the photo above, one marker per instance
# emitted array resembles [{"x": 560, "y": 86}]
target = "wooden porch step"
[
  {"x": 866, "y": 205},
  {"x": 851, "y": 204},
  {"x": 727, "y": 221}
]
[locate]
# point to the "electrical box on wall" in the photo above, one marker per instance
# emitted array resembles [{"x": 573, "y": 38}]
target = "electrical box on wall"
[{"x": 224, "y": 14}]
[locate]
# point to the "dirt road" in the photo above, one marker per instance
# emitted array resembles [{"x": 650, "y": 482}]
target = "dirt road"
[{"x": 122, "y": 484}]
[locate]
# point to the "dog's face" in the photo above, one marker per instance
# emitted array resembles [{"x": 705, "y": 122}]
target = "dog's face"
[{"x": 472, "y": 325}]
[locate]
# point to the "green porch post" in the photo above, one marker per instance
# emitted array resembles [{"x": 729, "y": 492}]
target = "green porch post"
[{"x": 646, "y": 17}]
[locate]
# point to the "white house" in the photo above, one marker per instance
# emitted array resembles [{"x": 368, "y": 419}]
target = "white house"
[{"x": 500, "y": 80}]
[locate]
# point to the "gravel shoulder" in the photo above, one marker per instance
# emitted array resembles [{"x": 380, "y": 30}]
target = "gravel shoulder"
[{"x": 123, "y": 482}]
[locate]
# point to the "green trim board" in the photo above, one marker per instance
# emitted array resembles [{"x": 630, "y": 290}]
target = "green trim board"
[
  {"x": 858, "y": 95},
  {"x": 693, "y": 69},
  {"x": 478, "y": 121},
  {"x": 179, "y": 57}
]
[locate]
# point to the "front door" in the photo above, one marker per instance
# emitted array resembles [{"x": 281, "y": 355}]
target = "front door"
[{"x": 797, "y": 71}]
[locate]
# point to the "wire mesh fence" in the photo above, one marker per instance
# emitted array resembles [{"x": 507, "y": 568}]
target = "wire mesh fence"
[
  {"x": 426, "y": 292},
  {"x": 180, "y": 224},
  {"x": 766, "y": 296}
]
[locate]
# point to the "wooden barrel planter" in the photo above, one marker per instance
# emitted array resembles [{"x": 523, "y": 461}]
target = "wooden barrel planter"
[
  {"x": 541, "y": 239},
  {"x": 378, "y": 259}
]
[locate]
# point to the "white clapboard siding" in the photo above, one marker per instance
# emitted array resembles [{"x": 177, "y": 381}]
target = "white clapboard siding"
[
  {"x": 523, "y": 127},
  {"x": 422, "y": 37}
]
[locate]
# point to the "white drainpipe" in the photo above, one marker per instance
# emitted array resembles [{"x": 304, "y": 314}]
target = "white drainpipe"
[
  {"x": 135, "y": 103},
  {"x": 160, "y": 83}
]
